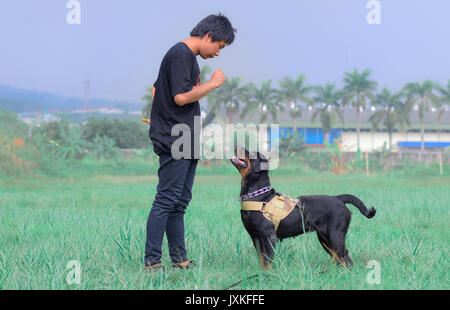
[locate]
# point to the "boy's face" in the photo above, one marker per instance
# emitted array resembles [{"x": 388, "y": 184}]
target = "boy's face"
[{"x": 210, "y": 49}]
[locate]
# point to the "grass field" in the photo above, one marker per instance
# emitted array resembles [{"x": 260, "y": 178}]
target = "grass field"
[{"x": 100, "y": 221}]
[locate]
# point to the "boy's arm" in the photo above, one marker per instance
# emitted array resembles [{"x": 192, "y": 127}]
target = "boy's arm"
[
  {"x": 198, "y": 92},
  {"x": 153, "y": 92}
]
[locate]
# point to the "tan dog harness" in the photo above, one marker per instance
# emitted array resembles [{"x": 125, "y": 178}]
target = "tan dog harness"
[{"x": 278, "y": 208}]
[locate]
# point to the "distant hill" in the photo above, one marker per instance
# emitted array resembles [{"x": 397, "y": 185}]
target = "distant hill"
[{"x": 22, "y": 100}]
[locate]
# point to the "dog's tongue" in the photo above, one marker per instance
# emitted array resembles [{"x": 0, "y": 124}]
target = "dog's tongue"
[{"x": 238, "y": 161}]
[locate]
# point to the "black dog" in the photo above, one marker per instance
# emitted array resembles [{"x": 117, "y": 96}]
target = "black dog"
[{"x": 268, "y": 215}]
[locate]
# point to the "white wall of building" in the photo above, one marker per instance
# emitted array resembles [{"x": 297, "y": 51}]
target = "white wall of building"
[{"x": 368, "y": 142}]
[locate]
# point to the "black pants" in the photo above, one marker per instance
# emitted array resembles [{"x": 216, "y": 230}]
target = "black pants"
[{"x": 174, "y": 192}]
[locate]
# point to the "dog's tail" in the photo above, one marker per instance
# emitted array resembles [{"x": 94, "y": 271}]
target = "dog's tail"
[{"x": 346, "y": 198}]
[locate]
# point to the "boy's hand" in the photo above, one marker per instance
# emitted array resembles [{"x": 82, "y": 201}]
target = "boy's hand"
[
  {"x": 198, "y": 92},
  {"x": 218, "y": 78}
]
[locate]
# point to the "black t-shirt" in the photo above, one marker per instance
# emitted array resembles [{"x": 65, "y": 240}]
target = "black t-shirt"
[{"x": 179, "y": 73}]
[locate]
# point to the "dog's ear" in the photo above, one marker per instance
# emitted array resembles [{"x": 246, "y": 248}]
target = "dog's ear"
[
  {"x": 262, "y": 157},
  {"x": 256, "y": 161},
  {"x": 241, "y": 152},
  {"x": 256, "y": 165},
  {"x": 263, "y": 162}
]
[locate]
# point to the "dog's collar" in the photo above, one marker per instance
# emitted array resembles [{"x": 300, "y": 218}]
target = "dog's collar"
[{"x": 256, "y": 193}]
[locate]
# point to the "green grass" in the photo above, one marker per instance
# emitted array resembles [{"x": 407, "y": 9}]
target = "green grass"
[{"x": 100, "y": 221}]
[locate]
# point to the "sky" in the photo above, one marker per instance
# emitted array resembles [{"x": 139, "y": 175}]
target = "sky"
[{"x": 118, "y": 45}]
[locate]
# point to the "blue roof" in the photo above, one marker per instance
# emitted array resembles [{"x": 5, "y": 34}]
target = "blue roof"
[{"x": 426, "y": 144}]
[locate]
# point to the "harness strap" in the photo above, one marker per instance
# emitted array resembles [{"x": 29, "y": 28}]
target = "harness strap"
[
  {"x": 252, "y": 205},
  {"x": 275, "y": 210}
]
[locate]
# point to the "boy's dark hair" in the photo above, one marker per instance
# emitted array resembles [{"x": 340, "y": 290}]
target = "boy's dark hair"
[{"x": 218, "y": 26}]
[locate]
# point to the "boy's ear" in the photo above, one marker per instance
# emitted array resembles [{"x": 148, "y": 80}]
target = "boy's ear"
[{"x": 207, "y": 36}]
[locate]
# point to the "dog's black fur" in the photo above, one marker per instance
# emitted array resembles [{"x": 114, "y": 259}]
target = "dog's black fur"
[{"x": 326, "y": 215}]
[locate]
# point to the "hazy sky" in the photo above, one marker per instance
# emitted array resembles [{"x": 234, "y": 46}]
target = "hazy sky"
[{"x": 119, "y": 45}]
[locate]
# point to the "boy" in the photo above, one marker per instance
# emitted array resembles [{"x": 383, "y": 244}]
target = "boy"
[{"x": 175, "y": 101}]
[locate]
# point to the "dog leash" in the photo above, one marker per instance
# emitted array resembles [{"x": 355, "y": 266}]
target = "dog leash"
[{"x": 239, "y": 282}]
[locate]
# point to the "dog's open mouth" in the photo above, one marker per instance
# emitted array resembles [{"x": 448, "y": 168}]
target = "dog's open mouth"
[{"x": 239, "y": 163}]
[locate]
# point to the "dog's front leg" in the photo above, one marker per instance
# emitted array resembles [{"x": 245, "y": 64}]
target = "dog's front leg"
[{"x": 265, "y": 248}]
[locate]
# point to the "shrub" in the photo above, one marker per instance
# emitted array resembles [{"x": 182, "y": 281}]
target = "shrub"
[
  {"x": 127, "y": 134},
  {"x": 103, "y": 148},
  {"x": 291, "y": 145},
  {"x": 17, "y": 156}
]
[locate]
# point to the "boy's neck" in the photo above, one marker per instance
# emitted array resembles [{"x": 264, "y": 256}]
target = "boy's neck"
[{"x": 194, "y": 44}]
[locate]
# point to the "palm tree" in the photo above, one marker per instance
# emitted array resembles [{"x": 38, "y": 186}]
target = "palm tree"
[
  {"x": 375, "y": 127},
  {"x": 393, "y": 112},
  {"x": 293, "y": 91},
  {"x": 72, "y": 144},
  {"x": 247, "y": 98},
  {"x": 228, "y": 95},
  {"x": 327, "y": 99},
  {"x": 265, "y": 100},
  {"x": 357, "y": 89},
  {"x": 422, "y": 96},
  {"x": 445, "y": 101}
]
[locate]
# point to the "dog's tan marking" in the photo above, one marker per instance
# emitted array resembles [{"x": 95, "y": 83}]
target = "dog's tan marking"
[
  {"x": 265, "y": 267},
  {"x": 337, "y": 259},
  {"x": 244, "y": 172},
  {"x": 335, "y": 256}
]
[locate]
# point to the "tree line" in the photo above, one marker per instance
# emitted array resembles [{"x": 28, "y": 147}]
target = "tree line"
[{"x": 390, "y": 109}]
